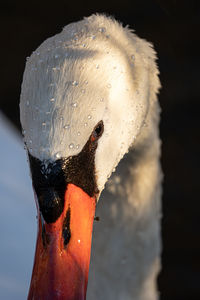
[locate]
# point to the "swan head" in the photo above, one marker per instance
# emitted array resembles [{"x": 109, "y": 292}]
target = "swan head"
[{"x": 85, "y": 96}]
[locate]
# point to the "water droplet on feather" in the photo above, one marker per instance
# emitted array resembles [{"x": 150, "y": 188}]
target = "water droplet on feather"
[
  {"x": 58, "y": 155},
  {"x": 74, "y": 83},
  {"x": 133, "y": 57},
  {"x": 71, "y": 146},
  {"x": 66, "y": 126},
  {"x": 74, "y": 104},
  {"x": 102, "y": 29}
]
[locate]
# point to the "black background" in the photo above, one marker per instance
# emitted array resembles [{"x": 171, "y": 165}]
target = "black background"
[{"x": 173, "y": 27}]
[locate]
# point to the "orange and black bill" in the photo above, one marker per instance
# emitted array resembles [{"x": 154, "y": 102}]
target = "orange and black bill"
[
  {"x": 63, "y": 250},
  {"x": 66, "y": 193}
]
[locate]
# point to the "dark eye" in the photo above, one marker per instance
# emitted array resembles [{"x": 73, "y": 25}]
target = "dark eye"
[{"x": 98, "y": 130}]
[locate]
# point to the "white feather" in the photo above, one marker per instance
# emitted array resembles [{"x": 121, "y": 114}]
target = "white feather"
[{"x": 93, "y": 70}]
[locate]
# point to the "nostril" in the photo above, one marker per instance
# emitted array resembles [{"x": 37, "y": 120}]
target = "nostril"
[
  {"x": 45, "y": 236},
  {"x": 66, "y": 232}
]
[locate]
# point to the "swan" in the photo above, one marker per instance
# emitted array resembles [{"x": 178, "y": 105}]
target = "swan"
[
  {"x": 89, "y": 99},
  {"x": 17, "y": 215}
]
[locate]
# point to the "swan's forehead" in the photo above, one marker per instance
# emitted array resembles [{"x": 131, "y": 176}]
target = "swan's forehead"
[{"x": 65, "y": 93}]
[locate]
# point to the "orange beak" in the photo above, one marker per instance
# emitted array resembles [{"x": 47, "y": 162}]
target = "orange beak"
[{"x": 63, "y": 249}]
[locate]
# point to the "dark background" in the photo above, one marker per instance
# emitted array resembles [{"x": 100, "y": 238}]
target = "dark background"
[{"x": 174, "y": 28}]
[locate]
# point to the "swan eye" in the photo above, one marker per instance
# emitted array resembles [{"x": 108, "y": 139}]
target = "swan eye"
[{"x": 98, "y": 131}]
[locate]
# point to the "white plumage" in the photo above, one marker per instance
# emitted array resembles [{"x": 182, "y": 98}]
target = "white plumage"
[{"x": 97, "y": 70}]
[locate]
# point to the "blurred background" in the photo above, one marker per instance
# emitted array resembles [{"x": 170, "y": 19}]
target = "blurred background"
[{"x": 174, "y": 28}]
